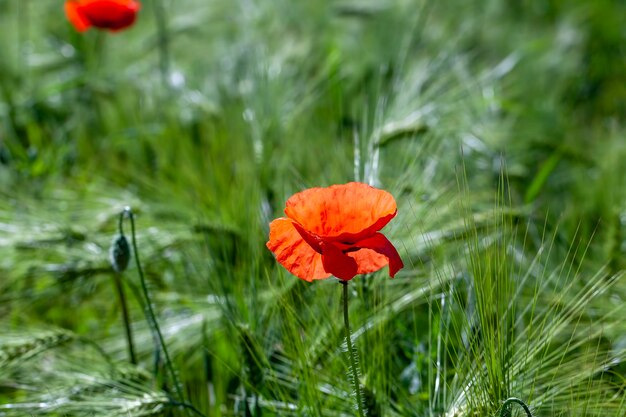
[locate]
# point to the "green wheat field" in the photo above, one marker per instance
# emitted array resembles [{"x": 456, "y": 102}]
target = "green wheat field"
[{"x": 499, "y": 126}]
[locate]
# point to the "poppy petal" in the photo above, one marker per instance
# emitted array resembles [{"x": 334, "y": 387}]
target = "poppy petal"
[
  {"x": 293, "y": 252},
  {"x": 379, "y": 244},
  {"x": 73, "y": 14},
  {"x": 110, "y": 14},
  {"x": 368, "y": 260},
  {"x": 338, "y": 263},
  {"x": 342, "y": 213}
]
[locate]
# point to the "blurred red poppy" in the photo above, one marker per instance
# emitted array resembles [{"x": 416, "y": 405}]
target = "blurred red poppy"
[
  {"x": 334, "y": 231},
  {"x": 111, "y": 15}
]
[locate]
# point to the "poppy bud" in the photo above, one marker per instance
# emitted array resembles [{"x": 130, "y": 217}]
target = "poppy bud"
[{"x": 119, "y": 253}]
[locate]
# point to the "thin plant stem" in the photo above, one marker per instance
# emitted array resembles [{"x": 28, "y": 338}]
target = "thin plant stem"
[
  {"x": 162, "y": 42},
  {"x": 119, "y": 286},
  {"x": 512, "y": 400},
  {"x": 99, "y": 51},
  {"x": 351, "y": 352},
  {"x": 151, "y": 317},
  {"x": 155, "y": 339}
]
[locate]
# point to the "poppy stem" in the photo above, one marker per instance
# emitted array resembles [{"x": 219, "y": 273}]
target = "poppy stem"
[
  {"x": 119, "y": 286},
  {"x": 120, "y": 253},
  {"x": 162, "y": 42},
  {"x": 505, "y": 406},
  {"x": 352, "y": 354},
  {"x": 150, "y": 315}
]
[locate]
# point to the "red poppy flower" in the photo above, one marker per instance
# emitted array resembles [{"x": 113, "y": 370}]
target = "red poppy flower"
[
  {"x": 334, "y": 231},
  {"x": 111, "y": 15}
]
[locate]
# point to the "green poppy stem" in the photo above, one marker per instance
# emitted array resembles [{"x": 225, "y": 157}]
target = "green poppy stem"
[
  {"x": 119, "y": 286},
  {"x": 352, "y": 354},
  {"x": 162, "y": 42},
  {"x": 505, "y": 406},
  {"x": 150, "y": 315},
  {"x": 120, "y": 256}
]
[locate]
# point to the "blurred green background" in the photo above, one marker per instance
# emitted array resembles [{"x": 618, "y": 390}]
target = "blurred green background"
[{"x": 497, "y": 125}]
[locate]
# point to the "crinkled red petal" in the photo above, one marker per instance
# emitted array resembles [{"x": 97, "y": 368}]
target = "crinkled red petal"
[
  {"x": 342, "y": 213},
  {"x": 368, "y": 260},
  {"x": 293, "y": 252},
  {"x": 379, "y": 244}
]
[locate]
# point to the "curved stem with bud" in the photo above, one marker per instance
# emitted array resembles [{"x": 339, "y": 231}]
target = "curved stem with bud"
[
  {"x": 120, "y": 255},
  {"x": 150, "y": 315}
]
